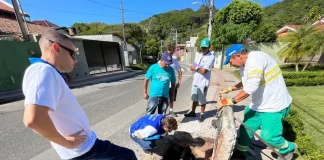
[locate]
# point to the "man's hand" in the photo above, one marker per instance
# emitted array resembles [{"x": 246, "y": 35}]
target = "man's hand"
[
  {"x": 139, "y": 136},
  {"x": 75, "y": 140},
  {"x": 224, "y": 102},
  {"x": 146, "y": 96},
  {"x": 226, "y": 90}
]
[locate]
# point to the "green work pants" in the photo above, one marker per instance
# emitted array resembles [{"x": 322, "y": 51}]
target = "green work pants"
[{"x": 271, "y": 130}]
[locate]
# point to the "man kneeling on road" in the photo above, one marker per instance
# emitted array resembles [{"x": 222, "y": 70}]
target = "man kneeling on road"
[
  {"x": 262, "y": 80},
  {"x": 53, "y": 112},
  {"x": 202, "y": 66},
  {"x": 161, "y": 75},
  {"x": 149, "y": 128}
]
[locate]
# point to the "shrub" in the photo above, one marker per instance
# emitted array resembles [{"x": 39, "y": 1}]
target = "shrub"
[
  {"x": 305, "y": 81},
  {"x": 295, "y": 75},
  {"x": 294, "y": 131},
  {"x": 301, "y": 65},
  {"x": 140, "y": 66}
]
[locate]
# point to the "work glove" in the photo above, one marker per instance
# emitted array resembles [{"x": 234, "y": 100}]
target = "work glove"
[
  {"x": 225, "y": 102},
  {"x": 226, "y": 90}
]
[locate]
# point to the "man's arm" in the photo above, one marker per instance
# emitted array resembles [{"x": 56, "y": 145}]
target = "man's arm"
[
  {"x": 145, "y": 88},
  {"x": 36, "y": 117},
  {"x": 179, "y": 78}
]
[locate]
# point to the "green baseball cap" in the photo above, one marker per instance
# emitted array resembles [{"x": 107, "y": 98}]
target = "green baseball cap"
[{"x": 205, "y": 43}]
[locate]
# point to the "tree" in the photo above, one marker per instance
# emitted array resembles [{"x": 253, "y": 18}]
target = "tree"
[
  {"x": 265, "y": 33},
  {"x": 240, "y": 11},
  {"x": 314, "y": 45},
  {"x": 151, "y": 48},
  {"x": 312, "y": 15},
  {"x": 230, "y": 33},
  {"x": 296, "y": 44},
  {"x": 235, "y": 23}
]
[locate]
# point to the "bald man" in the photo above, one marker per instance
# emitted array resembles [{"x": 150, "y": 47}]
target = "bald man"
[{"x": 53, "y": 112}]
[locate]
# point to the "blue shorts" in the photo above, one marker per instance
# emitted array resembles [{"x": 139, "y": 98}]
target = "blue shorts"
[{"x": 199, "y": 93}]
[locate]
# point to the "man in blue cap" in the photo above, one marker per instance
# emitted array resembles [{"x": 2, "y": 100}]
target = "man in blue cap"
[
  {"x": 202, "y": 67},
  {"x": 161, "y": 75},
  {"x": 262, "y": 80}
]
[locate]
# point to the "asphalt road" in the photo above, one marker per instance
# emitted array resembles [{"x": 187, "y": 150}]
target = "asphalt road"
[{"x": 110, "y": 107}]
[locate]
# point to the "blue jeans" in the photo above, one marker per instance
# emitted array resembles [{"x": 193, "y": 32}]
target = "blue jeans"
[
  {"x": 108, "y": 151},
  {"x": 161, "y": 103},
  {"x": 145, "y": 145}
]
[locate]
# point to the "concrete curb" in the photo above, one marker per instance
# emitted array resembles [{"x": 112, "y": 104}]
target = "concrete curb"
[{"x": 15, "y": 95}]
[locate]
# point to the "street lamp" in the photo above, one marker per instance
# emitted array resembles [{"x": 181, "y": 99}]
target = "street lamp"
[{"x": 194, "y": 3}]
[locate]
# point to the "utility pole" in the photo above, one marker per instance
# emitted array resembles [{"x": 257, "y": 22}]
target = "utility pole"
[
  {"x": 176, "y": 37},
  {"x": 23, "y": 13},
  {"x": 211, "y": 18},
  {"x": 122, "y": 12},
  {"x": 20, "y": 20}
]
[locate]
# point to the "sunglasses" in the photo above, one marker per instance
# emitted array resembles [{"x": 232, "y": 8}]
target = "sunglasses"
[{"x": 73, "y": 53}]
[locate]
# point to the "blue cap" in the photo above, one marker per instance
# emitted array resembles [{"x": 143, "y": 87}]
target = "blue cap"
[
  {"x": 205, "y": 43},
  {"x": 235, "y": 48},
  {"x": 167, "y": 58}
]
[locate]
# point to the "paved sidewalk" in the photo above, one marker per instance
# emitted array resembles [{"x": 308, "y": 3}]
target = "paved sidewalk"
[{"x": 108, "y": 77}]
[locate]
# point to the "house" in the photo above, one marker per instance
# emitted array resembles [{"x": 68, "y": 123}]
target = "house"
[
  {"x": 9, "y": 26},
  {"x": 292, "y": 28},
  {"x": 45, "y": 23},
  {"x": 286, "y": 29},
  {"x": 131, "y": 56},
  {"x": 320, "y": 22}
]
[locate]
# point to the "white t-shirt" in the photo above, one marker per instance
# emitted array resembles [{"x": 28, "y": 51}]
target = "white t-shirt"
[
  {"x": 206, "y": 62},
  {"x": 43, "y": 85},
  {"x": 262, "y": 80}
]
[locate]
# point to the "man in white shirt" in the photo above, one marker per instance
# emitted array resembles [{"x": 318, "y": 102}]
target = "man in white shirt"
[
  {"x": 53, "y": 112},
  {"x": 202, "y": 67},
  {"x": 263, "y": 81},
  {"x": 176, "y": 66}
]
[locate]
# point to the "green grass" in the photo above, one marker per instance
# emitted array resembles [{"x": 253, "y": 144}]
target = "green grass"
[{"x": 309, "y": 102}]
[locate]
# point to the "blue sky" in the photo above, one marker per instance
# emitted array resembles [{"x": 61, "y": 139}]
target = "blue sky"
[{"x": 67, "y": 12}]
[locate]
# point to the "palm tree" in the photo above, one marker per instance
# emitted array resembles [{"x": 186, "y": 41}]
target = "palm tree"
[
  {"x": 294, "y": 49},
  {"x": 314, "y": 45}
]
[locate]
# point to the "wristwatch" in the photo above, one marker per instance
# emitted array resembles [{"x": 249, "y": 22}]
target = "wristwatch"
[{"x": 233, "y": 100}]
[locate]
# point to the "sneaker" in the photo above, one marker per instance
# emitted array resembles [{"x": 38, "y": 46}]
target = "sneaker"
[
  {"x": 290, "y": 155},
  {"x": 173, "y": 114},
  {"x": 190, "y": 114},
  {"x": 202, "y": 118},
  {"x": 237, "y": 155}
]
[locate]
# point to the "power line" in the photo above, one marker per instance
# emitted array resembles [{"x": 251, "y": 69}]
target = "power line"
[
  {"x": 118, "y": 8},
  {"x": 93, "y": 14}
]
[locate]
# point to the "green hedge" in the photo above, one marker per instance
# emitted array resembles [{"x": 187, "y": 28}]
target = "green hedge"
[
  {"x": 305, "y": 81},
  {"x": 304, "y": 78},
  {"x": 294, "y": 131},
  {"x": 301, "y": 65},
  {"x": 140, "y": 66},
  {"x": 295, "y": 75}
]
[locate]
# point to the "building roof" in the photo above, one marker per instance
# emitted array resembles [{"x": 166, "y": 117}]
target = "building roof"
[
  {"x": 12, "y": 26},
  {"x": 45, "y": 23},
  {"x": 6, "y": 7},
  {"x": 319, "y": 22},
  {"x": 288, "y": 27}
]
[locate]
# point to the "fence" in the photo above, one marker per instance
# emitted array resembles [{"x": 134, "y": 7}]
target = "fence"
[{"x": 13, "y": 62}]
